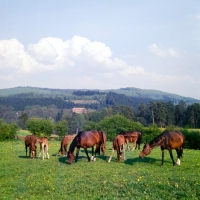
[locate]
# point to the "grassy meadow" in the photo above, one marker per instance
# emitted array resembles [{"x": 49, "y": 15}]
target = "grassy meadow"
[{"x": 22, "y": 178}]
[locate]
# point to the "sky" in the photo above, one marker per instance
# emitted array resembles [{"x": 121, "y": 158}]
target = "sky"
[{"x": 107, "y": 44}]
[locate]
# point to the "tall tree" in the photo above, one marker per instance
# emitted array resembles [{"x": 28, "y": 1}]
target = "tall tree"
[
  {"x": 180, "y": 113},
  {"x": 62, "y": 127},
  {"x": 76, "y": 123},
  {"x": 126, "y": 111},
  {"x": 170, "y": 115},
  {"x": 22, "y": 120}
]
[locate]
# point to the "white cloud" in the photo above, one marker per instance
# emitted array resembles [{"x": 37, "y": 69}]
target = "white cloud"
[
  {"x": 13, "y": 57},
  {"x": 153, "y": 48},
  {"x": 81, "y": 63},
  {"x": 162, "y": 52}
]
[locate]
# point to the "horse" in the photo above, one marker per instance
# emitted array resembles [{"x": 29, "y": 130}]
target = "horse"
[
  {"x": 132, "y": 136},
  {"x": 63, "y": 146},
  {"x": 44, "y": 147},
  {"x": 87, "y": 139},
  {"x": 31, "y": 142},
  {"x": 167, "y": 140},
  {"x": 118, "y": 145}
]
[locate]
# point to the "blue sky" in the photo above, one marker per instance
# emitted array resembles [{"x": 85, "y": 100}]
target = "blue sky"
[{"x": 107, "y": 44}]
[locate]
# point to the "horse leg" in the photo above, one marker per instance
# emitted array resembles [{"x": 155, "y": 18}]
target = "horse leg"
[
  {"x": 171, "y": 155},
  {"x": 92, "y": 158},
  {"x": 134, "y": 146},
  {"x": 111, "y": 155},
  {"x": 124, "y": 151},
  {"x": 40, "y": 152},
  {"x": 127, "y": 145},
  {"x": 97, "y": 151},
  {"x": 178, "y": 151},
  {"x": 138, "y": 144},
  {"x": 77, "y": 153},
  {"x": 162, "y": 156},
  {"x": 47, "y": 151},
  {"x": 29, "y": 151},
  {"x": 65, "y": 151},
  {"x": 26, "y": 150},
  {"x": 86, "y": 151}
]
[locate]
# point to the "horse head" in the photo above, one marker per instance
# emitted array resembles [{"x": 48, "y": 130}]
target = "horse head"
[
  {"x": 146, "y": 151},
  {"x": 70, "y": 157}
]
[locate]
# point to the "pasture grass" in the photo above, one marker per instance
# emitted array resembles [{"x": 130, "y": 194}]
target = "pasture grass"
[{"x": 24, "y": 178}]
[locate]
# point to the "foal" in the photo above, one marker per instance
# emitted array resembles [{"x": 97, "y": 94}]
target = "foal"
[
  {"x": 31, "y": 143},
  {"x": 44, "y": 147},
  {"x": 118, "y": 145}
]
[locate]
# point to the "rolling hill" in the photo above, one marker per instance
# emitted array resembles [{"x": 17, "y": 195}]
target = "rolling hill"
[{"x": 129, "y": 91}]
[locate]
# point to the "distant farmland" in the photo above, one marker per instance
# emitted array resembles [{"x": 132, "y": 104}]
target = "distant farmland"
[{"x": 84, "y": 101}]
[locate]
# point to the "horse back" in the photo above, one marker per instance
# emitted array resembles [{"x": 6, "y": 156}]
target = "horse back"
[
  {"x": 64, "y": 141},
  {"x": 174, "y": 139},
  {"x": 118, "y": 141}
]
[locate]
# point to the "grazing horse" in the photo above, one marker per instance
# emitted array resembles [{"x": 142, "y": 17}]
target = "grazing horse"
[
  {"x": 87, "y": 139},
  {"x": 118, "y": 145},
  {"x": 31, "y": 142},
  {"x": 167, "y": 140},
  {"x": 63, "y": 146},
  {"x": 132, "y": 136},
  {"x": 44, "y": 147}
]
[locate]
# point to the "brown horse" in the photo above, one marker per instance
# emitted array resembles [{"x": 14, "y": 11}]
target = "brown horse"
[
  {"x": 63, "y": 146},
  {"x": 31, "y": 142},
  {"x": 167, "y": 140},
  {"x": 132, "y": 136},
  {"x": 87, "y": 139},
  {"x": 44, "y": 147},
  {"x": 118, "y": 145}
]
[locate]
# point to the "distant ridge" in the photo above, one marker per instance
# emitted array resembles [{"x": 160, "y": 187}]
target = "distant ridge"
[
  {"x": 128, "y": 91},
  {"x": 152, "y": 94}
]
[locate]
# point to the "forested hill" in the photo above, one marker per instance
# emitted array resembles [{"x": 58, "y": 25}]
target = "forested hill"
[
  {"x": 155, "y": 95},
  {"x": 129, "y": 91}
]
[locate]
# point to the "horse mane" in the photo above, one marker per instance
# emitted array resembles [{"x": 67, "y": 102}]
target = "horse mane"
[
  {"x": 75, "y": 141},
  {"x": 157, "y": 140}
]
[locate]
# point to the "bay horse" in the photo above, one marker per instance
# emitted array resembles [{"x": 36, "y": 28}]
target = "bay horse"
[
  {"x": 132, "y": 136},
  {"x": 118, "y": 145},
  {"x": 44, "y": 147},
  {"x": 63, "y": 146},
  {"x": 167, "y": 140},
  {"x": 31, "y": 143},
  {"x": 87, "y": 139}
]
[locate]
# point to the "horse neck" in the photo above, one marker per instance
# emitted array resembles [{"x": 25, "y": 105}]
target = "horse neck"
[
  {"x": 73, "y": 145},
  {"x": 156, "y": 142}
]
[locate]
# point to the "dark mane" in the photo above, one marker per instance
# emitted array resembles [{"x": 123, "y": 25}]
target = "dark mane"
[
  {"x": 74, "y": 142},
  {"x": 157, "y": 140}
]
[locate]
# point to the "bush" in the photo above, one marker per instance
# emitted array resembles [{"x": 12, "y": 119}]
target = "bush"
[
  {"x": 7, "y": 131},
  {"x": 192, "y": 138},
  {"x": 150, "y": 132}
]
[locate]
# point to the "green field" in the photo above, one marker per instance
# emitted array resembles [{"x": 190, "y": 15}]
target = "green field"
[{"x": 22, "y": 178}]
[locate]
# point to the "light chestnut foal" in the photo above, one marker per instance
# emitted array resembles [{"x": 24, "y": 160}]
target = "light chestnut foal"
[{"x": 44, "y": 147}]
